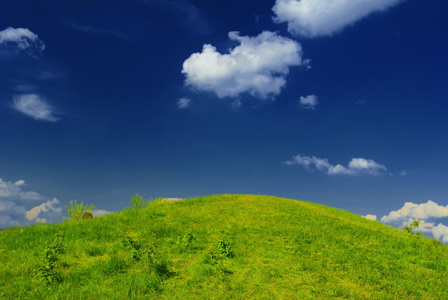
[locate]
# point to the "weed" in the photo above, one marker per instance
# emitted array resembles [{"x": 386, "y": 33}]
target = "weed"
[
  {"x": 134, "y": 246},
  {"x": 224, "y": 249},
  {"x": 186, "y": 241},
  {"x": 48, "y": 271},
  {"x": 137, "y": 202},
  {"x": 80, "y": 211},
  {"x": 217, "y": 258}
]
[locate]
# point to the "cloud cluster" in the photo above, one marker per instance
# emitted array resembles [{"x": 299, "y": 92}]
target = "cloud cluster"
[
  {"x": 19, "y": 207},
  {"x": 356, "y": 166},
  {"x": 313, "y": 18},
  {"x": 21, "y": 39},
  {"x": 34, "y": 106},
  {"x": 308, "y": 102},
  {"x": 423, "y": 212},
  {"x": 258, "y": 66}
]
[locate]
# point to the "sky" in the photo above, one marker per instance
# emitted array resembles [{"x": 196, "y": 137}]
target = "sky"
[{"x": 337, "y": 102}]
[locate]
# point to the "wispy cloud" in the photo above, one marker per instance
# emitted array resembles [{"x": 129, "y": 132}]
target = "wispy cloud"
[
  {"x": 183, "y": 103},
  {"x": 357, "y": 166},
  {"x": 308, "y": 102},
  {"x": 257, "y": 66},
  {"x": 426, "y": 213},
  {"x": 34, "y": 106},
  {"x": 21, "y": 39},
  {"x": 18, "y": 206},
  {"x": 312, "y": 18},
  {"x": 184, "y": 13},
  {"x": 95, "y": 29}
]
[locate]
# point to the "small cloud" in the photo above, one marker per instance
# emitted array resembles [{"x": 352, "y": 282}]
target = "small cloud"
[
  {"x": 370, "y": 217},
  {"x": 308, "y": 102},
  {"x": 183, "y": 103},
  {"x": 360, "y": 102},
  {"x": 100, "y": 213},
  {"x": 403, "y": 173},
  {"x": 313, "y": 18},
  {"x": 19, "y": 182},
  {"x": 356, "y": 166},
  {"x": 21, "y": 39},
  {"x": 258, "y": 66},
  {"x": 236, "y": 104},
  {"x": 32, "y": 105}
]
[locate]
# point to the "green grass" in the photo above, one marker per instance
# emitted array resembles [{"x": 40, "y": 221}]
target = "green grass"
[{"x": 279, "y": 249}]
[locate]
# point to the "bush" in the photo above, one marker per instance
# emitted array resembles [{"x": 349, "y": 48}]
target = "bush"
[
  {"x": 137, "y": 202},
  {"x": 80, "y": 211}
]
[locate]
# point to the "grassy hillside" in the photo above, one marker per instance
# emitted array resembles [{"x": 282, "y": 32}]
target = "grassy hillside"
[{"x": 222, "y": 247}]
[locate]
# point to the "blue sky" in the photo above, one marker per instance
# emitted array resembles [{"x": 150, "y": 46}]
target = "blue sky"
[{"x": 342, "y": 103}]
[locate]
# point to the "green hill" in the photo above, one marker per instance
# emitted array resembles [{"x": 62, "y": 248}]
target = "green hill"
[{"x": 222, "y": 247}]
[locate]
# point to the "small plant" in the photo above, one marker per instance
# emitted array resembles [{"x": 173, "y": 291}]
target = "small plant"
[
  {"x": 48, "y": 271},
  {"x": 411, "y": 228},
  {"x": 216, "y": 258},
  {"x": 137, "y": 202},
  {"x": 147, "y": 254},
  {"x": 80, "y": 211},
  {"x": 224, "y": 249},
  {"x": 186, "y": 241},
  {"x": 134, "y": 246}
]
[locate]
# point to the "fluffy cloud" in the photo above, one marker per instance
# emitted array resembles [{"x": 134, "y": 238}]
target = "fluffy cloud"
[
  {"x": 49, "y": 209},
  {"x": 183, "y": 103},
  {"x": 21, "y": 38},
  {"x": 312, "y": 18},
  {"x": 422, "y": 212},
  {"x": 356, "y": 166},
  {"x": 258, "y": 66},
  {"x": 308, "y": 102},
  {"x": 18, "y": 207},
  {"x": 32, "y": 105}
]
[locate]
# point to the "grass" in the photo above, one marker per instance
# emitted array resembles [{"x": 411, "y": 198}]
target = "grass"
[{"x": 274, "y": 248}]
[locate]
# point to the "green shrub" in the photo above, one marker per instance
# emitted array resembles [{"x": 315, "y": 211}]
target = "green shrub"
[
  {"x": 137, "y": 202},
  {"x": 411, "y": 228},
  {"x": 48, "y": 271},
  {"x": 80, "y": 211},
  {"x": 186, "y": 240}
]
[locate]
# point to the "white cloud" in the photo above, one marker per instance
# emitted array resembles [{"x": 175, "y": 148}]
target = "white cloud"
[
  {"x": 312, "y": 18},
  {"x": 258, "y": 66},
  {"x": 356, "y": 166},
  {"x": 35, "y": 107},
  {"x": 183, "y": 103},
  {"x": 14, "y": 191},
  {"x": 18, "y": 207},
  {"x": 370, "y": 217},
  {"x": 49, "y": 208},
  {"x": 308, "y": 102},
  {"x": 100, "y": 213},
  {"x": 422, "y": 211},
  {"x": 403, "y": 173},
  {"x": 440, "y": 232},
  {"x": 21, "y": 38}
]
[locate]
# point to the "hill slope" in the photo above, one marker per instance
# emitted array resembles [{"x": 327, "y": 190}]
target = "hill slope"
[{"x": 222, "y": 247}]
